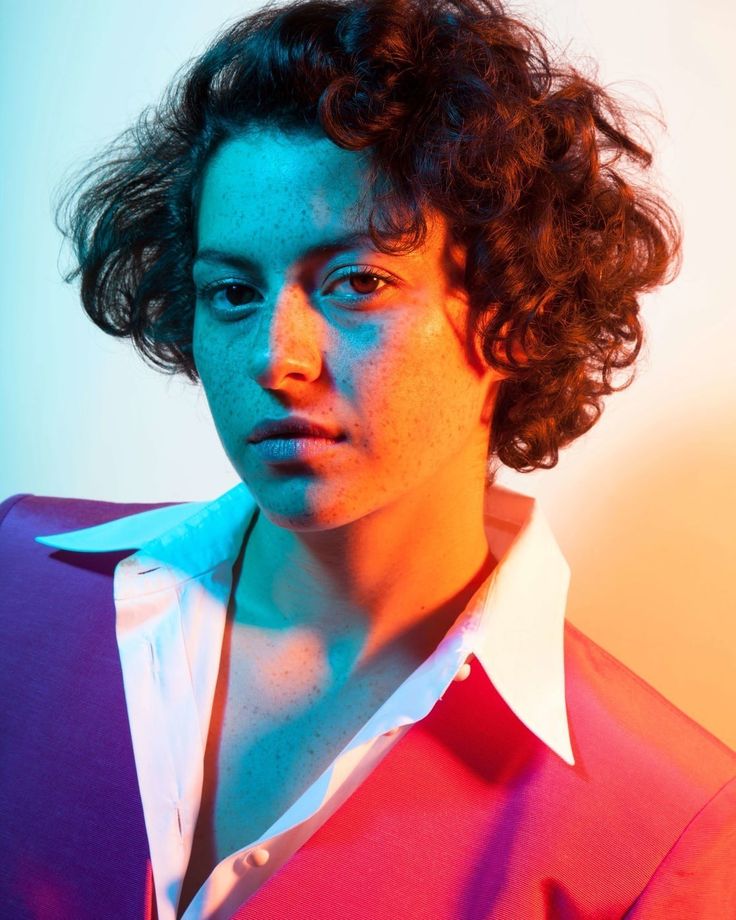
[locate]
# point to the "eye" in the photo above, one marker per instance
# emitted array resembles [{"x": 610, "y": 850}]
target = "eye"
[
  {"x": 364, "y": 280},
  {"x": 235, "y": 294}
]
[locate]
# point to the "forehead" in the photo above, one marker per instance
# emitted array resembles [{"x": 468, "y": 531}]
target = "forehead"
[
  {"x": 279, "y": 195},
  {"x": 284, "y": 185}
]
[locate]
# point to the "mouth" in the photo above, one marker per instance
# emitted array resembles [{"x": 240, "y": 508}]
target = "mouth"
[{"x": 288, "y": 448}]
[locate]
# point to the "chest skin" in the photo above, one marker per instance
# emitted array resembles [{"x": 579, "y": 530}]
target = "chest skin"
[{"x": 277, "y": 724}]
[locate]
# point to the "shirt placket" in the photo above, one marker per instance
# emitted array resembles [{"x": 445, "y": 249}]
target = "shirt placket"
[{"x": 163, "y": 719}]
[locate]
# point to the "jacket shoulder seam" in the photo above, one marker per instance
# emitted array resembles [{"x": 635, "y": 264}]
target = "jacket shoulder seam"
[
  {"x": 677, "y": 840},
  {"x": 9, "y": 503}
]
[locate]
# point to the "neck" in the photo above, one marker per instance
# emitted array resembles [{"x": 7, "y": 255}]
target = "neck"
[{"x": 390, "y": 583}]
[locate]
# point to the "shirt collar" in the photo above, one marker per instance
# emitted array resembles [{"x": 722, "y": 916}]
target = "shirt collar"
[{"x": 519, "y": 634}]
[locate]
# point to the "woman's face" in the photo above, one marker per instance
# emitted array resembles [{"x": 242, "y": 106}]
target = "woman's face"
[{"x": 281, "y": 329}]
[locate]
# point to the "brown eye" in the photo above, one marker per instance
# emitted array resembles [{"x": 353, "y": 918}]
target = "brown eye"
[{"x": 364, "y": 282}]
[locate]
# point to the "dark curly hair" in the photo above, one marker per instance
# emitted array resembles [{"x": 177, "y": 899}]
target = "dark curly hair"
[{"x": 533, "y": 164}]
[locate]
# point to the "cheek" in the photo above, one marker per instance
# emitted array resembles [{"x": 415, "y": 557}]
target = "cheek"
[
  {"x": 415, "y": 391},
  {"x": 202, "y": 342},
  {"x": 219, "y": 379}
]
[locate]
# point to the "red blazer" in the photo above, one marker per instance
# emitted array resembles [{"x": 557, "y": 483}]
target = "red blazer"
[{"x": 469, "y": 816}]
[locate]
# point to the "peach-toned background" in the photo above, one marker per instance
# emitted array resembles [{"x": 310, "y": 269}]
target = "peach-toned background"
[{"x": 643, "y": 506}]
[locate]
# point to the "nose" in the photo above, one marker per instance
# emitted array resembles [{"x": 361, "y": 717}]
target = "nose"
[{"x": 286, "y": 341}]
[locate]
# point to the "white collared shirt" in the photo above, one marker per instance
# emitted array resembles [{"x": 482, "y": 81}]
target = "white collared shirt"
[{"x": 171, "y": 599}]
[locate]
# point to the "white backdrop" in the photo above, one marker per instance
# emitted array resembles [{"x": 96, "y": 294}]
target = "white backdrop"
[{"x": 643, "y": 505}]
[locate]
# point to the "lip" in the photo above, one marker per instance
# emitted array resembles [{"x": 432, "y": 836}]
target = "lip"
[
  {"x": 291, "y": 427},
  {"x": 295, "y": 449}
]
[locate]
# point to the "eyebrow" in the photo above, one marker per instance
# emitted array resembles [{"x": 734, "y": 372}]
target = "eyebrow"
[{"x": 237, "y": 260}]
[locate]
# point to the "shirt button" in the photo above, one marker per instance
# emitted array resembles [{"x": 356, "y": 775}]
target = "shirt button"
[
  {"x": 463, "y": 672},
  {"x": 260, "y": 856}
]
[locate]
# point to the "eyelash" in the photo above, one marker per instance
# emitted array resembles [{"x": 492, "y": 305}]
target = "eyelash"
[{"x": 208, "y": 291}]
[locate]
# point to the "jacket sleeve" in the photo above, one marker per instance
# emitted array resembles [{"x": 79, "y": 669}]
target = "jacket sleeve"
[{"x": 697, "y": 878}]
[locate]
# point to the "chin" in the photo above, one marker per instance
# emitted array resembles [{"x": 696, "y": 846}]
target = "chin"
[
  {"x": 304, "y": 509},
  {"x": 312, "y": 520}
]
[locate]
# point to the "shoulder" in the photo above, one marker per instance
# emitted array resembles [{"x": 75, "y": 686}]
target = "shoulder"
[
  {"x": 696, "y": 878},
  {"x": 58, "y": 598},
  {"x": 45, "y": 587},
  {"x": 618, "y": 714},
  {"x": 54, "y": 549},
  {"x": 81, "y": 524},
  {"x": 56, "y": 513},
  {"x": 665, "y": 786}
]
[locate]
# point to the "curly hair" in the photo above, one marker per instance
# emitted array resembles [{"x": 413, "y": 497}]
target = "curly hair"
[{"x": 533, "y": 164}]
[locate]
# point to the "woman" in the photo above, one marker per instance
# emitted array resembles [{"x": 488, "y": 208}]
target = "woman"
[{"x": 398, "y": 247}]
